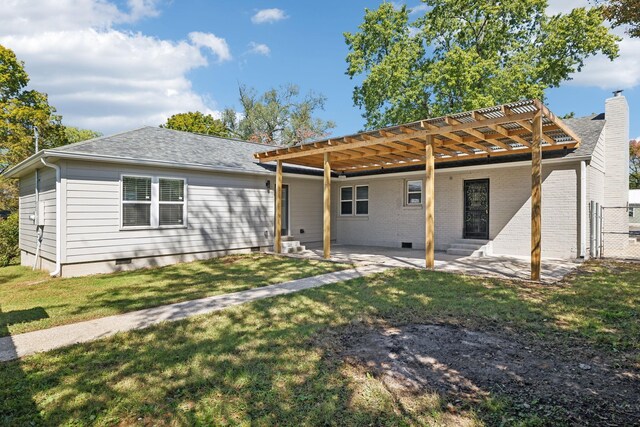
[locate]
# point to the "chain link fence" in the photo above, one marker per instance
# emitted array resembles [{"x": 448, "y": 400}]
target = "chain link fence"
[{"x": 614, "y": 233}]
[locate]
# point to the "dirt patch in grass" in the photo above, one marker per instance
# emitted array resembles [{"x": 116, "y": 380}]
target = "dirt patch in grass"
[{"x": 534, "y": 380}]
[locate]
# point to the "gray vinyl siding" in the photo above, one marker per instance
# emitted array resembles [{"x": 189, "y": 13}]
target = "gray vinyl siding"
[
  {"x": 27, "y": 207},
  {"x": 224, "y": 212},
  {"x": 390, "y": 222}
]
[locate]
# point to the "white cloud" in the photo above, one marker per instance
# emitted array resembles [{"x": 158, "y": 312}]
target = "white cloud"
[
  {"x": 259, "y": 49},
  {"x": 622, "y": 73},
  {"x": 99, "y": 77},
  {"x": 217, "y": 45},
  {"x": 564, "y": 6},
  {"x": 268, "y": 16},
  {"x": 599, "y": 71},
  {"x": 419, "y": 9}
]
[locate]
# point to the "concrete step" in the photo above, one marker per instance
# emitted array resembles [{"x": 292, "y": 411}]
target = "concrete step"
[
  {"x": 290, "y": 243},
  {"x": 466, "y": 252},
  {"x": 293, "y": 250},
  {"x": 288, "y": 238},
  {"x": 465, "y": 246},
  {"x": 472, "y": 242}
]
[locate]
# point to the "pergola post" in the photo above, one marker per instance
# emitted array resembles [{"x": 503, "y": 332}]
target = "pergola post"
[
  {"x": 278, "y": 225},
  {"x": 327, "y": 208},
  {"x": 326, "y": 229},
  {"x": 536, "y": 197},
  {"x": 429, "y": 204}
]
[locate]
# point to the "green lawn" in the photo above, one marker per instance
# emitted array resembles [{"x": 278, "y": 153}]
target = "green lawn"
[
  {"x": 31, "y": 300},
  {"x": 272, "y": 362}
]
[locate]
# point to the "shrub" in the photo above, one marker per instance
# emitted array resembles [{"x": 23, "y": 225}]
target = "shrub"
[{"x": 9, "y": 235}]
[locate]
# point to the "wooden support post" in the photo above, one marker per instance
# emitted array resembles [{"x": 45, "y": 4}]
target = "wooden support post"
[
  {"x": 278, "y": 226},
  {"x": 327, "y": 208},
  {"x": 429, "y": 203},
  {"x": 536, "y": 197}
]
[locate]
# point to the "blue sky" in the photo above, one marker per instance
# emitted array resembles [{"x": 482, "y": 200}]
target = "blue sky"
[{"x": 117, "y": 65}]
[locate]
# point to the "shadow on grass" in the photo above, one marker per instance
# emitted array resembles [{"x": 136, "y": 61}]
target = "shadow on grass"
[
  {"x": 268, "y": 362},
  {"x": 15, "y": 387},
  {"x": 77, "y": 299}
]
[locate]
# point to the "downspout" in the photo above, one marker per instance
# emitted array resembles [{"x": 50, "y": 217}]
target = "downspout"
[
  {"x": 583, "y": 210},
  {"x": 58, "y": 216}
]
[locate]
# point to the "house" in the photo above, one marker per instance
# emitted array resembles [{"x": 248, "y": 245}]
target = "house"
[
  {"x": 509, "y": 180},
  {"x": 634, "y": 209}
]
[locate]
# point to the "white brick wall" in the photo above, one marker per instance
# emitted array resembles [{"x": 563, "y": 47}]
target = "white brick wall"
[
  {"x": 616, "y": 180},
  {"x": 390, "y": 223}
]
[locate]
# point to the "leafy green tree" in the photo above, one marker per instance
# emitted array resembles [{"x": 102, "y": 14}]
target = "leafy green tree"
[
  {"x": 9, "y": 239},
  {"x": 279, "y": 116},
  {"x": 74, "y": 134},
  {"x": 20, "y": 111},
  {"x": 466, "y": 54},
  {"x": 197, "y": 122},
  {"x": 624, "y": 12},
  {"x": 634, "y": 164}
]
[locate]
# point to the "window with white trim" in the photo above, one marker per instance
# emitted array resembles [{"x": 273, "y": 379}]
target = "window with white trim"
[
  {"x": 152, "y": 202},
  {"x": 346, "y": 200},
  {"x": 171, "y": 203},
  {"x": 362, "y": 200},
  {"x": 414, "y": 192},
  {"x": 136, "y": 201}
]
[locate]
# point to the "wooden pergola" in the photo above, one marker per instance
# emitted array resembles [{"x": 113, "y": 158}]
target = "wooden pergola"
[{"x": 506, "y": 130}]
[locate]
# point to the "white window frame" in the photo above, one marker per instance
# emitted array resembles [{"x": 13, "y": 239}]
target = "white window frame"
[
  {"x": 184, "y": 201},
  {"x": 356, "y": 200},
  {"x": 155, "y": 202},
  {"x": 122, "y": 202},
  {"x": 407, "y": 192},
  {"x": 353, "y": 196}
]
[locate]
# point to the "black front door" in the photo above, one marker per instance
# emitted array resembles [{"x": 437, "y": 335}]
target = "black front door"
[{"x": 476, "y": 209}]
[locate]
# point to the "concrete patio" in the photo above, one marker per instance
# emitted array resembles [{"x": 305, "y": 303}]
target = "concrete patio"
[{"x": 505, "y": 267}]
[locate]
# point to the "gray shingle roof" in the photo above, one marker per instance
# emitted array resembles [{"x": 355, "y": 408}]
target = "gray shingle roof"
[
  {"x": 588, "y": 129},
  {"x": 166, "y": 145},
  {"x": 170, "y": 146}
]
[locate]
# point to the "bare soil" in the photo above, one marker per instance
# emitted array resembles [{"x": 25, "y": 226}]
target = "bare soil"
[{"x": 558, "y": 383}]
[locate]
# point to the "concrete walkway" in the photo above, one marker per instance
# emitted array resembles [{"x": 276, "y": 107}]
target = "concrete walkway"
[{"x": 16, "y": 346}]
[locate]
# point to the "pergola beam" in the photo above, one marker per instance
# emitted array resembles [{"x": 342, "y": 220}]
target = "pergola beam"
[{"x": 369, "y": 140}]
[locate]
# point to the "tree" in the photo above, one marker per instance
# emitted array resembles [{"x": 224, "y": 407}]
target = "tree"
[
  {"x": 624, "y": 12},
  {"x": 466, "y": 54},
  {"x": 197, "y": 122},
  {"x": 279, "y": 116},
  {"x": 634, "y": 164},
  {"x": 74, "y": 134},
  {"x": 20, "y": 111}
]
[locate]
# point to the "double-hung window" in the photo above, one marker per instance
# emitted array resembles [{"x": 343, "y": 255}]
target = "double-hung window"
[
  {"x": 414, "y": 192},
  {"x": 362, "y": 200},
  {"x": 153, "y": 202},
  {"x": 136, "y": 201},
  {"x": 346, "y": 201},
  {"x": 354, "y": 201},
  {"x": 171, "y": 204}
]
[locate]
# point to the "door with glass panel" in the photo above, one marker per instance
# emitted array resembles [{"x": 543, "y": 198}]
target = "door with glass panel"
[{"x": 476, "y": 209}]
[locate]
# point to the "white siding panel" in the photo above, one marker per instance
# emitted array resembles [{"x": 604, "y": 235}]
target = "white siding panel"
[
  {"x": 27, "y": 207},
  {"x": 224, "y": 212}
]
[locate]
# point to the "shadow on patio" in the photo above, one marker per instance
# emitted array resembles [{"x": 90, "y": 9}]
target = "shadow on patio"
[{"x": 505, "y": 267}]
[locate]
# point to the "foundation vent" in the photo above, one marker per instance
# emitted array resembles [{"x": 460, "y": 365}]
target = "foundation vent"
[{"x": 407, "y": 245}]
